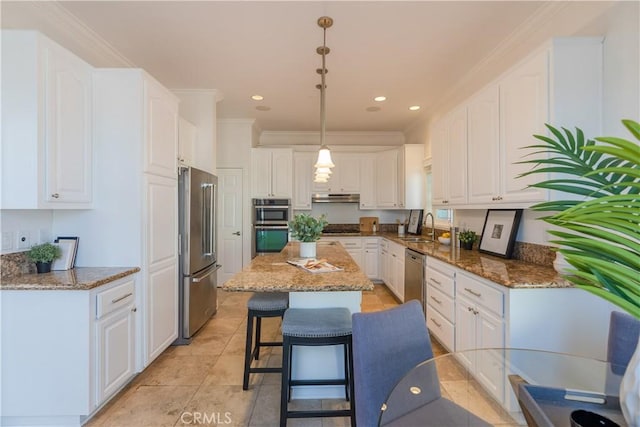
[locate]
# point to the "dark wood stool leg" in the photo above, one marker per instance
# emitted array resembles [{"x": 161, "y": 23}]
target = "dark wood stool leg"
[
  {"x": 347, "y": 395},
  {"x": 351, "y": 385},
  {"x": 258, "y": 332},
  {"x": 248, "y": 351}
]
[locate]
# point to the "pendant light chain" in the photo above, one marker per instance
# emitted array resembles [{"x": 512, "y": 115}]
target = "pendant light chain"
[{"x": 324, "y": 163}]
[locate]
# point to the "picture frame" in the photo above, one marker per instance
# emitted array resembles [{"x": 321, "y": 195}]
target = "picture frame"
[
  {"x": 499, "y": 232},
  {"x": 69, "y": 248},
  {"x": 415, "y": 221}
]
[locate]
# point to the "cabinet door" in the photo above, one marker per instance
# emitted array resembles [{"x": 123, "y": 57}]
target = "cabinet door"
[
  {"x": 302, "y": 180},
  {"x": 161, "y": 139},
  {"x": 261, "y": 173},
  {"x": 348, "y": 166},
  {"x": 387, "y": 179},
  {"x": 357, "y": 256},
  {"x": 116, "y": 352},
  {"x": 370, "y": 261},
  {"x": 457, "y": 133},
  {"x": 282, "y": 173},
  {"x": 490, "y": 370},
  {"x": 483, "y": 147},
  {"x": 398, "y": 274},
  {"x": 440, "y": 164},
  {"x": 68, "y": 138},
  {"x": 523, "y": 112},
  {"x": 384, "y": 266},
  {"x": 368, "y": 181},
  {"x": 187, "y": 136},
  {"x": 465, "y": 331}
]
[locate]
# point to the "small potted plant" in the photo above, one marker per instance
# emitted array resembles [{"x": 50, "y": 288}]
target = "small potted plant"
[
  {"x": 307, "y": 230},
  {"x": 467, "y": 239},
  {"x": 43, "y": 255}
]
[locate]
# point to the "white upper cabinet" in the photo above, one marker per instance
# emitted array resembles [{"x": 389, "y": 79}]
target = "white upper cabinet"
[
  {"x": 187, "y": 139},
  {"x": 272, "y": 172},
  {"x": 523, "y": 113},
  {"x": 560, "y": 84},
  {"x": 411, "y": 177},
  {"x": 345, "y": 176},
  {"x": 387, "y": 179},
  {"x": 484, "y": 147},
  {"x": 302, "y": 179},
  {"x": 368, "y": 181},
  {"x": 46, "y": 125},
  {"x": 161, "y": 137}
]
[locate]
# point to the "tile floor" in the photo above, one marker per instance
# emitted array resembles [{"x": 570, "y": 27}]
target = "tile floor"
[{"x": 201, "y": 384}]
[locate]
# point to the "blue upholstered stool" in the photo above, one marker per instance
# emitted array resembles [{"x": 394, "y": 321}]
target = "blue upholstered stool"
[
  {"x": 316, "y": 327},
  {"x": 266, "y": 304}
]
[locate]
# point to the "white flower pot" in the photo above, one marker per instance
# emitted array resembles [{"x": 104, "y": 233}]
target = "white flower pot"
[
  {"x": 307, "y": 249},
  {"x": 630, "y": 390}
]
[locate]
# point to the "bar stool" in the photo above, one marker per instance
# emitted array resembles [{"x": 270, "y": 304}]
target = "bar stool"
[
  {"x": 267, "y": 304},
  {"x": 316, "y": 327}
]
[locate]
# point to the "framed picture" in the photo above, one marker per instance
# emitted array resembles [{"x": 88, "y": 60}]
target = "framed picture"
[
  {"x": 415, "y": 221},
  {"x": 499, "y": 232},
  {"x": 69, "y": 247}
]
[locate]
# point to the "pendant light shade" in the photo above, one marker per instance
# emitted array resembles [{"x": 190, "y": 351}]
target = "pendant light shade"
[{"x": 324, "y": 163}]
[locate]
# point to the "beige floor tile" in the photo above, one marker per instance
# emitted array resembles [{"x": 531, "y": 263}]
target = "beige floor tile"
[
  {"x": 471, "y": 396},
  {"x": 222, "y": 326},
  {"x": 236, "y": 345},
  {"x": 229, "y": 403},
  {"x": 203, "y": 345},
  {"x": 370, "y": 299},
  {"x": 451, "y": 370},
  {"x": 177, "y": 370},
  {"x": 266, "y": 411},
  {"x": 232, "y": 311},
  {"x": 229, "y": 370},
  {"x": 149, "y": 406},
  {"x": 370, "y": 308}
]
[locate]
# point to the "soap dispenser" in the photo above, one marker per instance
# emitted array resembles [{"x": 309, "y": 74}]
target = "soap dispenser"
[{"x": 374, "y": 228}]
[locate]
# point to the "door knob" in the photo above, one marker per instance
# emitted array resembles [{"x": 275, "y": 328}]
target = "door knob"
[{"x": 237, "y": 233}]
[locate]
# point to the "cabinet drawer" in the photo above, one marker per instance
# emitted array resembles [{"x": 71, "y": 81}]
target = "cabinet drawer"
[
  {"x": 480, "y": 293},
  {"x": 441, "y": 302},
  {"x": 440, "y": 281},
  {"x": 351, "y": 243},
  {"x": 114, "y": 298},
  {"x": 370, "y": 243},
  {"x": 441, "y": 328},
  {"x": 441, "y": 266}
]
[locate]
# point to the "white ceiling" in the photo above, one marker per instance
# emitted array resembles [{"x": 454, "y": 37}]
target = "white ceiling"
[{"x": 412, "y": 52}]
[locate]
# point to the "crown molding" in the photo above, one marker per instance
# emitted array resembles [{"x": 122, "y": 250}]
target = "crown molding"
[
  {"x": 66, "y": 29},
  {"x": 280, "y": 138}
]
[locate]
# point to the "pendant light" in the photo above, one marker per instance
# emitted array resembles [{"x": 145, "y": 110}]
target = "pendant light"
[{"x": 324, "y": 163}]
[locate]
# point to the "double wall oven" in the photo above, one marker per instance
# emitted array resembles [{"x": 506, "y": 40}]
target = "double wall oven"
[{"x": 270, "y": 225}]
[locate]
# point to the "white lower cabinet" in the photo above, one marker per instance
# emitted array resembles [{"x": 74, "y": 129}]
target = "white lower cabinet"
[
  {"x": 115, "y": 340},
  {"x": 64, "y": 360},
  {"x": 440, "y": 310},
  {"x": 396, "y": 270},
  {"x": 370, "y": 258},
  {"x": 480, "y": 324}
]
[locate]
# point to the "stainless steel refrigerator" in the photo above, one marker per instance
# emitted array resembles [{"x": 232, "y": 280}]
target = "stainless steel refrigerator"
[{"x": 197, "y": 191}]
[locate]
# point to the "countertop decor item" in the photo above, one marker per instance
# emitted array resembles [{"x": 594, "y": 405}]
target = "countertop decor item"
[
  {"x": 307, "y": 229},
  {"x": 467, "y": 239},
  {"x": 444, "y": 240},
  {"x": 43, "y": 255},
  {"x": 499, "y": 232},
  {"x": 598, "y": 233}
]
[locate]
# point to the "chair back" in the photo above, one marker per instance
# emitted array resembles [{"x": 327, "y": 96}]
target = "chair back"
[
  {"x": 624, "y": 331},
  {"x": 386, "y": 345}
]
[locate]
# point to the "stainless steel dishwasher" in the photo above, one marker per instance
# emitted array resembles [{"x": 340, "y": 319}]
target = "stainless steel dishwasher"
[{"x": 414, "y": 277}]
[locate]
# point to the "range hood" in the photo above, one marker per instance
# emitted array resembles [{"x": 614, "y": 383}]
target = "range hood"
[{"x": 335, "y": 198}]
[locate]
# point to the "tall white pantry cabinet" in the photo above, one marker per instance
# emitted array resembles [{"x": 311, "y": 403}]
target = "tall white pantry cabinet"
[{"x": 134, "y": 221}]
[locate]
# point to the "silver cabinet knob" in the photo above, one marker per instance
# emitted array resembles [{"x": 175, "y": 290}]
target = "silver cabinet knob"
[
  {"x": 134, "y": 309},
  {"x": 55, "y": 195},
  {"x": 237, "y": 233}
]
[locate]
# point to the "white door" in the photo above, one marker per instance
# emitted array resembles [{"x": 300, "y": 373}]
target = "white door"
[{"x": 229, "y": 223}]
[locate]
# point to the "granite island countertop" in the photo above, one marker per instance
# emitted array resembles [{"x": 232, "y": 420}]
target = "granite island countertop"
[
  {"x": 76, "y": 279},
  {"x": 506, "y": 272},
  {"x": 272, "y": 273}
]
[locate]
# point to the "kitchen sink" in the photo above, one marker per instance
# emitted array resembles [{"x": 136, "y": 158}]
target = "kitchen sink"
[{"x": 415, "y": 240}]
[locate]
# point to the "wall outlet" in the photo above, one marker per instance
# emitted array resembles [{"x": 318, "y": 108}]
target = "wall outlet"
[
  {"x": 7, "y": 240},
  {"x": 23, "y": 240}
]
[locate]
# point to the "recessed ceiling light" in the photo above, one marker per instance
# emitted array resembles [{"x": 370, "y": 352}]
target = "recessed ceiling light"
[
  {"x": 414, "y": 108},
  {"x": 257, "y": 97},
  {"x": 372, "y": 109},
  {"x": 380, "y": 98},
  {"x": 263, "y": 108}
]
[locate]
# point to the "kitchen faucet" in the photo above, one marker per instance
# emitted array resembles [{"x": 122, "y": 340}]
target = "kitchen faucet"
[{"x": 433, "y": 230}]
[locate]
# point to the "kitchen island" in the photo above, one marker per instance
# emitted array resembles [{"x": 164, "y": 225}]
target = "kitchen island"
[{"x": 272, "y": 273}]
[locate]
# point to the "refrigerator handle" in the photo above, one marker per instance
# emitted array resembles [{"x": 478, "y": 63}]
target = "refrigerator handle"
[
  {"x": 207, "y": 219},
  {"x": 208, "y": 272}
]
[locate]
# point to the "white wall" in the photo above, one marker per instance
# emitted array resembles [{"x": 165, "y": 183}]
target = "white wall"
[{"x": 35, "y": 225}]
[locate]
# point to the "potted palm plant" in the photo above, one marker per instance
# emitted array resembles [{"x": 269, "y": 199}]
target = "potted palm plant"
[
  {"x": 599, "y": 234},
  {"x": 307, "y": 229},
  {"x": 43, "y": 255}
]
